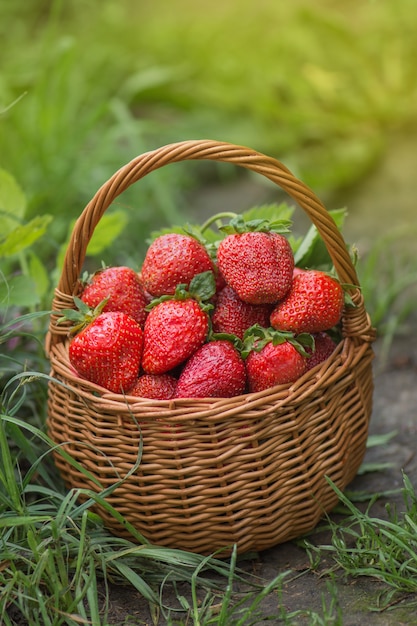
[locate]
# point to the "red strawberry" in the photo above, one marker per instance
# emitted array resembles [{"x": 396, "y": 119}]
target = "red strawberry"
[
  {"x": 108, "y": 351},
  {"x": 273, "y": 359},
  {"x": 324, "y": 347},
  {"x": 233, "y": 316},
  {"x": 174, "y": 329},
  {"x": 313, "y": 304},
  {"x": 123, "y": 288},
  {"x": 155, "y": 386},
  {"x": 177, "y": 325},
  {"x": 216, "y": 370},
  {"x": 257, "y": 265},
  {"x": 171, "y": 260}
]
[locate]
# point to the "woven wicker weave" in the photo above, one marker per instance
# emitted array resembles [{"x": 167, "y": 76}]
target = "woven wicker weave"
[{"x": 248, "y": 470}]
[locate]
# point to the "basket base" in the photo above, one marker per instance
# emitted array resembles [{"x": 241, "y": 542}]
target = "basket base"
[{"x": 253, "y": 477}]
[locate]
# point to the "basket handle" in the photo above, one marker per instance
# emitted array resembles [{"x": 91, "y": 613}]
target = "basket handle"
[{"x": 142, "y": 165}]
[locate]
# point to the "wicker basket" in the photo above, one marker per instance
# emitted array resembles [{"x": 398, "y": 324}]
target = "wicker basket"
[{"x": 248, "y": 470}]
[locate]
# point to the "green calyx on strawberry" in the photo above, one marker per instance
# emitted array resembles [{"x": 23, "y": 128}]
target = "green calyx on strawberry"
[
  {"x": 256, "y": 337},
  {"x": 81, "y": 315},
  {"x": 256, "y": 260},
  {"x": 274, "y": 358},
  {"x": 107, "y": 348},
  {"x": 238, "y": 225},
  {"x": 202, "y": 287}
]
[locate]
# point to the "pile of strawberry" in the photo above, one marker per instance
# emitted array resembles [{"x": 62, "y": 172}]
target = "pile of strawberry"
[{"x": 197, "y": 323}]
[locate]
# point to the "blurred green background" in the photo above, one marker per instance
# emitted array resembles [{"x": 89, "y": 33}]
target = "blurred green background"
[{"x": 328, "y": 87}]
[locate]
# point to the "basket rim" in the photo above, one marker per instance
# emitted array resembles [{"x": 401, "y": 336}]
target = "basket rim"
[{"x": 346, "y": 356}]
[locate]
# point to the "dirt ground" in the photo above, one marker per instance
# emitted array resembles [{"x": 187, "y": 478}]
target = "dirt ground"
[{"x": 395, "y": 411}]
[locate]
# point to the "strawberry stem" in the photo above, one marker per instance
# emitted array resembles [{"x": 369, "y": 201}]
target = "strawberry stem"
[
  {"x": 233, "y": 339},
  {"x": 217, "y": 218}
]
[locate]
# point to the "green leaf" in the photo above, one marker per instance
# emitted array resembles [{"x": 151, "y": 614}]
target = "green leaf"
[
  {"x": 107, "y": 230},
  {"x": 24, "y": 236},
  {"x": 312, "y": 251},
  {"x": 367, "y": 468},
  {"x": 18, "y": 291},
  {"x": 271, "y": 212},
  {"x": 380, "y": 439},
  {"x": 255, "y": 338},
  {"x": 12, "y": 203},
  {"x": 303, "y": 341},
  {"x": 39, "y": 275},
  {"x": 195, "y": 231},
  {"x": 203, "y": 286}
]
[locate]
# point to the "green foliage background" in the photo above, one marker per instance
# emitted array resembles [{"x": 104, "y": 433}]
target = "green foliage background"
[{"x": 85, "y": 86}]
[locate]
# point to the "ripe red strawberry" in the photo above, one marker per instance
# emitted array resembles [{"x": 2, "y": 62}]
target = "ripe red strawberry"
[
  {"x": 123, "y": 288},
  {"x": 257, "y": 265},
  {"x": 313, "y": 304},
  {"x": 324, "y": 347},
  {"x": 177, "y": 325},
  {"x": 171, "y": 260},
  {"x": 174, "y": 329},
  {"x": 155, "y": 386},
  {"x": 274, "y": 359},
  {"x": 216, "y": 370},
  {"x": 108, "y": 351},
  {"x": 233, "y": 316}
]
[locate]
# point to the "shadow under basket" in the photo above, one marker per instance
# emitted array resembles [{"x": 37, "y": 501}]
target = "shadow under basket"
[{"x": 205, "y": 474}]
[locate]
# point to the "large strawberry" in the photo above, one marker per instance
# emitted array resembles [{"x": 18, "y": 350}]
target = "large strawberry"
[
  {"x": 177, "y": 325},
  {"x": 273, "y": 358},
  {"x": 313, "y": 304},
  {"x": 233, "y": 316},
  {"x": 258, "y": 264},
  {"x": 216, "y": 370},
  {"x": 108, "y": 351},
  {"x": 173, "y": 259},
  {"x": 122, "y": 288},
  {"x": 155, "y": 386}
]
